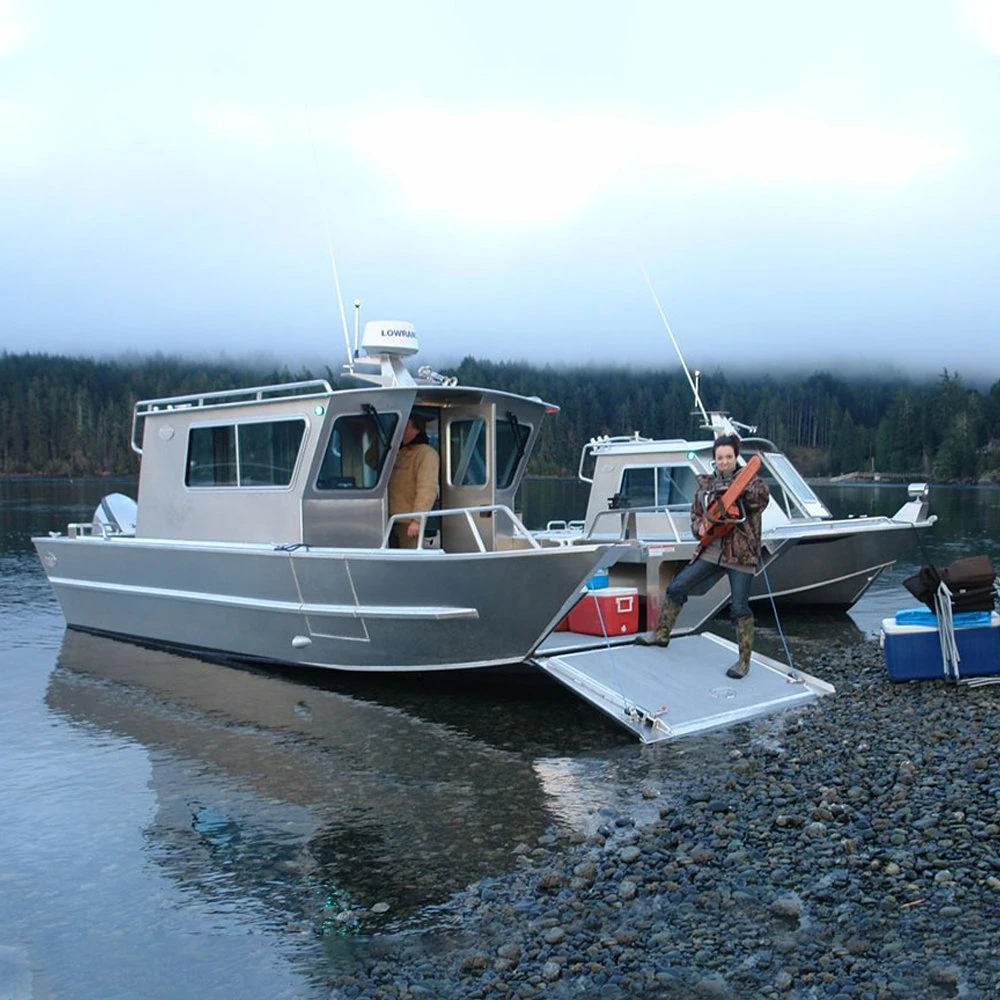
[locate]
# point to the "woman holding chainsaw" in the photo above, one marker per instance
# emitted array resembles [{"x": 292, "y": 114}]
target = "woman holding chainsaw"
[{"x": 728, "y": 542}]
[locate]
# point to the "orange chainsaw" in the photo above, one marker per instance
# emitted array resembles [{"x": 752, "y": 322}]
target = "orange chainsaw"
[{"x": 723, "y": 513}]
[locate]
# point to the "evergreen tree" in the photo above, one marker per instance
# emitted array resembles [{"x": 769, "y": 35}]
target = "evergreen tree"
[{"x": 72, "y": 416}]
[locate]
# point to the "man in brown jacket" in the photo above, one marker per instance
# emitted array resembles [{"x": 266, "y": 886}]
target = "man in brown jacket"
[
  {"x": 736, "y": 553},
  {"x": 413, "y": 485}
]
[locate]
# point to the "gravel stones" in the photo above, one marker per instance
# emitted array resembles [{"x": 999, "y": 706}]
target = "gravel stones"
[{"x": 849, "y": 851}]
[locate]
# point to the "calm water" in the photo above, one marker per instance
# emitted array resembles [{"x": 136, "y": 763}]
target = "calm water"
[{"x": 172, "y": 827}]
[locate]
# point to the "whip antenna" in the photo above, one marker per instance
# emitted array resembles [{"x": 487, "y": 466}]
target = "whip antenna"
[
  {"x": 673, "y": 340},
  {"x": 329, "y": 240}
]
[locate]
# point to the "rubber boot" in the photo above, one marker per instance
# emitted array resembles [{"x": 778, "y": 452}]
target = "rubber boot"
[
  {"x": 661, "y": 637},
  {"x": 744, "y": 636}
]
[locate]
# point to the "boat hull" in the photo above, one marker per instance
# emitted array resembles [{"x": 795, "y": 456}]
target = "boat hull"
[
  {"x": 377, "y": 610},
  {"x": 833, "y": 570}
]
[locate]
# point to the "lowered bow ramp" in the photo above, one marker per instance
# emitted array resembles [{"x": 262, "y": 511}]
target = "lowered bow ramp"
[{"x": 661, "y": 694}]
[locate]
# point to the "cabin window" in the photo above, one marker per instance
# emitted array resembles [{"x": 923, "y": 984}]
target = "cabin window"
[
  {"x": 511, "y": 441},
  {"x": 268, "y": 451},
  {"x": 211, "y": 456},
  {"x": 675, "y": 484},
  {"x": 659, "y": 486},
  {"x": 356, "y": 454},
  {"x": 467, "y": 451},
  {"x": 790, "y": 479},
  {"x": 639, "y": 487},
  {"x": 262, "y": 453}
]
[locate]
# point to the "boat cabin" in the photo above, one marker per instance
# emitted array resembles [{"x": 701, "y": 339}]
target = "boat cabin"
[
  {"x": 305, "y": 464},
  {"x": 641, "y": 474},
  {"x": 637, "y": 472}
]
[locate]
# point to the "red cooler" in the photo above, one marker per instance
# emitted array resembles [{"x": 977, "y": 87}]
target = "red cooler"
[{"x": 608, "y": 611}]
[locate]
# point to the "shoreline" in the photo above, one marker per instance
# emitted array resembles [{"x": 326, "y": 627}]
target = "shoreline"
[{"x": 850, "y": 849}]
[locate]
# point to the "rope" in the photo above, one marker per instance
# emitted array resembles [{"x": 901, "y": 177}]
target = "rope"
[
  {"x": 923, "y": 548},
  {"x": 777, "y": 620}
]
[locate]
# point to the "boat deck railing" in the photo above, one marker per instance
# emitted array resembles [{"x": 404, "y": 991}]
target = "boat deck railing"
[
  {"x": 500, "y": 513},
  {"x": 96, "y": 529},
  {"x": 624, "y": 525},
  {"x": 628, "y": 523}
]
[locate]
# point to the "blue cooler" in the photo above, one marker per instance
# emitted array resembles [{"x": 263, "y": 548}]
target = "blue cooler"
[
  {"x": 598, "y": 581},
  {"x": 913, "y": 652}
]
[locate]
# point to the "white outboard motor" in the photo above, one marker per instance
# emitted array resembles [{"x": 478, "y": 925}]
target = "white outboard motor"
[{"x": 116, "y": 514}]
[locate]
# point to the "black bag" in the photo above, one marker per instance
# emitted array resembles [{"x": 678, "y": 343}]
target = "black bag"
[
  {"x": 970, "y": 581},
  {"x": 924, "y": 585}
]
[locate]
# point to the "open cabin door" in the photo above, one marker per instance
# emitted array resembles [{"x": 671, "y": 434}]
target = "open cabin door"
[{"x": 467, "y": 476}]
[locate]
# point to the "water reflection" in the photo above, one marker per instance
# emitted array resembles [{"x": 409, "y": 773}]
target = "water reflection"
[
  {"x": 259, "y": 780},
  {"x": 322, "y": 802}
]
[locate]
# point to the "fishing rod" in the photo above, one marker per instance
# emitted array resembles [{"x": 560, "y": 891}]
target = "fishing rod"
[
  {"x": 677, "y": 348},
  {"x": 329, "y": 247}
]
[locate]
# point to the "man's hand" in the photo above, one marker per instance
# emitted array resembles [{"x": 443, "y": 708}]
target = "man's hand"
[{"x": 413, "y": 529}]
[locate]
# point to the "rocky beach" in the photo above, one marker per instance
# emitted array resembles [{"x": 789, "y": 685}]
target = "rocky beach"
[{"x": 849, "y": 850}]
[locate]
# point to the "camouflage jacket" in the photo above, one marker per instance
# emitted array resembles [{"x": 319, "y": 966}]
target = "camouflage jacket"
[{"x": 741, "y": 547}]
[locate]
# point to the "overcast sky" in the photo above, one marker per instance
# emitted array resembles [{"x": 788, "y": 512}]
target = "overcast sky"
[{"x": 805, "y": 182}]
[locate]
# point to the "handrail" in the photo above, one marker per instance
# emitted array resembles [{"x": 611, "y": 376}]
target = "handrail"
[
  {"x": 250, "y": 394},
  {"x": 227, "y": 397},
  {"x": 520, "y": 531},
  {"x": 559, "y": 524},
  {"x": 95, "y": 529},
  {"x": 596, "y": 444},
  {"x": 629, "y": 522}
]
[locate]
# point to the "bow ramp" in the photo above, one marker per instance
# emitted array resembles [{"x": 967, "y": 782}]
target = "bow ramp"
[{"x": 661, "y": 694}]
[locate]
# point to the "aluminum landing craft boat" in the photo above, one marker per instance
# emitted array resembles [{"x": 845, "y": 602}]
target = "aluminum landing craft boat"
[
  {"x": 810, "y": 557},
  {"x": 261, "y": 528},
  {"x": 261, "y": 532}
]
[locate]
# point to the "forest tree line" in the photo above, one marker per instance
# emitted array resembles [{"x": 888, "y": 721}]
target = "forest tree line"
[{"x": 67, "y": 416}]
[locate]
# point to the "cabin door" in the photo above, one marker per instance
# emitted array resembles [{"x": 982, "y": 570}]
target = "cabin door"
[{"x": 467, "y": 477}]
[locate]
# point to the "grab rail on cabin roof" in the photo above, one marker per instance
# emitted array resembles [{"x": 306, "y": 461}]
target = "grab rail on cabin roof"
[{"x": 226, "y": 397}]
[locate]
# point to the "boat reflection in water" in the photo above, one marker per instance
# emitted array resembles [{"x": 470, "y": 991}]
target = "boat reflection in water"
[{"x": 320, "y": 804}]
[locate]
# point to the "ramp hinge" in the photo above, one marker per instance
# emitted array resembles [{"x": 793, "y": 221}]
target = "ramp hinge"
[{"x": 648, "y": 720}]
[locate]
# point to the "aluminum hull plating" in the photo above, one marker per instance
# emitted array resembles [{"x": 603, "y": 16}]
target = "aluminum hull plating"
[
  {"x": 359, "y": 610},
  {"x": 833, "y": 568}
]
